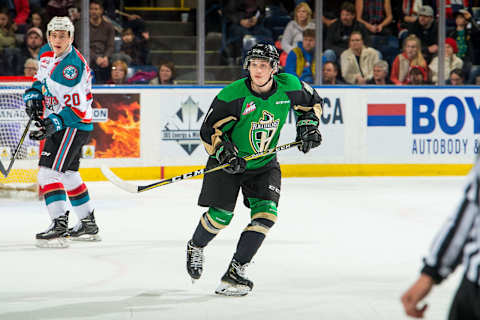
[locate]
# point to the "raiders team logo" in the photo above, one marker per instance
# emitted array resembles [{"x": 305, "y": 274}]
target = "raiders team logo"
[
  {"x": 263, "y": 131},
  {"x": 70, "y": 72}
]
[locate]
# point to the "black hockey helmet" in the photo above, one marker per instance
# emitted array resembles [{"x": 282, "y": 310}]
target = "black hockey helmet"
[{"x": 263, "y": 51}]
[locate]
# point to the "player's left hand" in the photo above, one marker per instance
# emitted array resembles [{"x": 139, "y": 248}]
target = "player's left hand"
[
  {"x": 47, "y": 127},
  {"x": 307, "y": 132}
]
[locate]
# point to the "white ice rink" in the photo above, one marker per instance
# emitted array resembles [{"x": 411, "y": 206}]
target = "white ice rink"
[{"x": 342, "y": 248}]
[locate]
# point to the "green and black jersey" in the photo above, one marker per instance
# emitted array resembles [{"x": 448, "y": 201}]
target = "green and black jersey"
[{"x": 253, "y": 121}]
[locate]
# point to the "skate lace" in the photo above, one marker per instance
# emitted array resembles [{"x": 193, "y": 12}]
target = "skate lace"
[
  {"x": 240, "y": 269},
  {"x": 196, "y": 257}
]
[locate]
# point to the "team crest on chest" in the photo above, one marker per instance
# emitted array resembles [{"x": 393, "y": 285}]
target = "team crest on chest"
[
  {"x": 70, "y": 72},
  {"x": 263, "y": 131}
]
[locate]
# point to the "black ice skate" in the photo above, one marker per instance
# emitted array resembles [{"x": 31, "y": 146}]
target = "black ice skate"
[
  {"x": 56, "y": 235},
  {"x": 194, "y": 261},
  {"x": 234, "y": 282},
  {"x": 85, "y": 230}
]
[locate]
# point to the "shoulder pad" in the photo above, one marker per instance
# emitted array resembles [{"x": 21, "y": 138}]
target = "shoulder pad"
[{"x": 69, "y": 72}]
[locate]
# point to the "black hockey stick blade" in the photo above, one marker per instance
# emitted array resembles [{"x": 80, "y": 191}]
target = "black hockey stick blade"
[
  {"x": 133, "y": 188},
  {"x": 17, "y": 149}
]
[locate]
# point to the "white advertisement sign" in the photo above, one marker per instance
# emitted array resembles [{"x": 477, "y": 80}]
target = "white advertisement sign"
[{"x": 429, "y": 126}]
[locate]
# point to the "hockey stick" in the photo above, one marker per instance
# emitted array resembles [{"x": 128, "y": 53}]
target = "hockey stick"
[
  {"x": 132, "y": 188},
  {"x": 17, "y": 149}
]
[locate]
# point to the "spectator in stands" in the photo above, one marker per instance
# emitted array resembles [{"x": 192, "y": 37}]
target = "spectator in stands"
[
  {"x": 465, "y": 39},
  {"x": 426, "y": 29},
  {"x": 301, "y": 59},
  {"x": 417, "y": 76},
  {"x": 294, "y": 31},
  {"x": 166, "y": 74},
  {"x": 409, "y": 10},
  {"x": 457, "y": 77},
  {"x": 135, "y": 48},
  {"x": 477, "y": 81},
  {"x": 339, "y": 32},
  {"x": 358, "y": 60},
  {"x": 118, "y": 74},
  {"x": 136, "y": 24},
  {"x": 410, "y": 57},
  {"x": 58, "y": 8},
  {"x": 30, "y": 67},
  {"x": 246, "y": 18},
  {"x": 30, "y": 49},
  {"x": 22, "y": 11},
  {"x": 377, "y": 17},
  {"x": 380, "y": 74},
  {"x": 330, "y": 73},
  {"x": 7, "y": 35},
  {"x": 101, "y": 42},
  {"x": 451, "y": 60},
  {"x": 37, "y": 20}
]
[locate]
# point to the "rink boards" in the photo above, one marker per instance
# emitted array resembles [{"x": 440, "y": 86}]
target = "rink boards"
[{"x": 367, "y": 131}]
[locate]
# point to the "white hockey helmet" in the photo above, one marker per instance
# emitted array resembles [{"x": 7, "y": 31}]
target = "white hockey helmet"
[{"x": 61, "y": 24}]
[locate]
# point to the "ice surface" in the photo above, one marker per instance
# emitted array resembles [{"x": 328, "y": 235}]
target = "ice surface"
[{"x": 342, "y": 248}]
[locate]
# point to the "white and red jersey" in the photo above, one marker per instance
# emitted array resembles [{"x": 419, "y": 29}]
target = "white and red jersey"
[{"x": 66, "y": 84}]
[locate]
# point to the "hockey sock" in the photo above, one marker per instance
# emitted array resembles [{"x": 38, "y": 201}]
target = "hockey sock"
[
  {"x": 264, "y": 215},
  {"x": 210, "y": 225},
  {"x": 80, "y": 201},
  {"x": 77, "y": 193},
  {"x": 55, "y": 199}
]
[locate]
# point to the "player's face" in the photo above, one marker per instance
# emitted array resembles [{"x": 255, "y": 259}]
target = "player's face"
[
  {"x": 260, "y": 71},
  {"x": 59, "y": 40}
]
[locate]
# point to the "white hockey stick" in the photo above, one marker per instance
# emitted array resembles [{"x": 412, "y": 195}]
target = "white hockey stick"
[{"x": 133, "y": 188}]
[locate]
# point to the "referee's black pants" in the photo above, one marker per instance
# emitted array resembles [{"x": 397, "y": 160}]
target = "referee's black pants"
[{"x": 466, "y": 304}]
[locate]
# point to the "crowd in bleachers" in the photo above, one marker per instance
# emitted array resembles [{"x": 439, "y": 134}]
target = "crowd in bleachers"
[
  {"x": 398, "y": 38},
  {"x": 364, "y": 41}
]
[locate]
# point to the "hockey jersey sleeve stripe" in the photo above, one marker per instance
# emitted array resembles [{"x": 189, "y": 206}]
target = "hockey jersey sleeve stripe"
[{"x": 78, "y": 113}]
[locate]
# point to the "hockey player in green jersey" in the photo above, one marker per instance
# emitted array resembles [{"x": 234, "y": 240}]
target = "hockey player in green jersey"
[{"x": 246, "y": 117}]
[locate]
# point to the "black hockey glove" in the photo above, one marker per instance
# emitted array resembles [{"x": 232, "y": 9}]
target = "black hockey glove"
[
  {"x": 33, "y": 103},
  {"x": 47, "y": 127},
  {"x": 307, "y": 132},
  {"x": 228, "y": 153}
]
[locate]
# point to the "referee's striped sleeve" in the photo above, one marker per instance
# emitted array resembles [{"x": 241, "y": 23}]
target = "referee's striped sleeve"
[{"x": 446, "y": 251}]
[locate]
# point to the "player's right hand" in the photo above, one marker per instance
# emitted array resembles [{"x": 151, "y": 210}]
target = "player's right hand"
[
  {"x": 227, "y": 153},
  {"x": 47, "y": 127},
  {"x": 33, "y": 103}
]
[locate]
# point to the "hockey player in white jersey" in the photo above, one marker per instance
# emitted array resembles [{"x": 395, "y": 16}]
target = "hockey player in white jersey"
[{"x": 63, "y": 86}]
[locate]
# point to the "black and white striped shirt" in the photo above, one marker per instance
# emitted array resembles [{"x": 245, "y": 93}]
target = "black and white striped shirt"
[{"x": 458, "y": 241}]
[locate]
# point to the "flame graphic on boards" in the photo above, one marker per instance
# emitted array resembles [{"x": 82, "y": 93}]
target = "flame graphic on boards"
[{"x": 120, "y": 134}]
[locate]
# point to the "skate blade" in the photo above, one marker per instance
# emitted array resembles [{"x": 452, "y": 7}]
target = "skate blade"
[
  {"x": 87, "y": 238},
  {"x": 53, "y": 243},
  {"x": 229, "y": 290}
]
